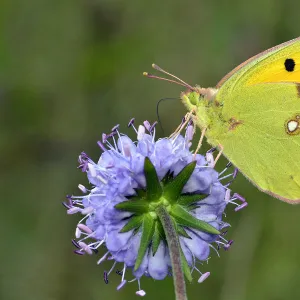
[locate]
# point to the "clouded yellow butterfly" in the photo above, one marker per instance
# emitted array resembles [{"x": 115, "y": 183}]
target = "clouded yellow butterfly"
[{"x": 253, "y": 118}]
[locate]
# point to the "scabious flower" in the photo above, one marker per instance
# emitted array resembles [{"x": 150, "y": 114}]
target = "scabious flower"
[{"x": 129, "y": 182}]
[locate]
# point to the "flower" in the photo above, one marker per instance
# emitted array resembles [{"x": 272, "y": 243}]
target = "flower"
[{"x": 130, "y": 180}]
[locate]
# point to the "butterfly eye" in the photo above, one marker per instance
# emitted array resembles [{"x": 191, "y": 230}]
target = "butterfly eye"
[{"x": 194, "y": 98}]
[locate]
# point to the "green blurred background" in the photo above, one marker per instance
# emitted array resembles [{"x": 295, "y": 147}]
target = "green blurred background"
[{"x": 70, "y": 70}]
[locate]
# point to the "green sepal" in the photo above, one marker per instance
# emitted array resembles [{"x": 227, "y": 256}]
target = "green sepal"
[
  {"x": 184, "y": 218},
  {"x": 185, "y": 267},
  {"x": 157, "y": 238},
  {"x": 167, "y": 177},
  {"x": 161, "y": 230},
  {"x": 134, "y": 205},
  {"x": 139, "y": 193},
  {"x": 186, "y": 200},
  {"x": 147, "y": 234},
  {"x": 179, "y": 229},
  {"x": 174, "y": 188},
  {"x": 192, "y": 206},
  {"x": 182, "y": 232},
  {"x": 133, "y": 223},
  {"x": 153, "y": 187}
]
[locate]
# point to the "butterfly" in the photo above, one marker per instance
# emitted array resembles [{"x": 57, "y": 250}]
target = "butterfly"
[{"x": 252, "y": 117}]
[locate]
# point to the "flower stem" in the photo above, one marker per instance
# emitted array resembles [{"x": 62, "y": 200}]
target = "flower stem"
[{"x": 175, "y": 253}]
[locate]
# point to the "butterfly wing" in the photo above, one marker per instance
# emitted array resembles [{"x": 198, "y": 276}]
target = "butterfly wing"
[
  {"x": 262, "y": 97},
  {"x": 268, "y": 66}
]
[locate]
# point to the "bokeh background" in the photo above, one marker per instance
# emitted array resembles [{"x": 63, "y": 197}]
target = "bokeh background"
[{"x": 70, "y": 70}]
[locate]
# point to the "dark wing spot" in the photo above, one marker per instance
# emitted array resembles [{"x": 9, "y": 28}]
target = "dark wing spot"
[{"x": 289, "y": 64}]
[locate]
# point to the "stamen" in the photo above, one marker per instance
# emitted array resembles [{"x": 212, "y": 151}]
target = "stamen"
[
  {"x": 87, "y": 210},
  {"x": 103, "y": 258},
  {"x": 147, "y": 125},
  {"x": 189, "y": 133},
  {"x": 203, "y": 277},
  {"x": 236, "y": 171},
  {"x": 101, "y": 179},
  {"x": 82, "y": 188},
  {"x": 124, "y": 270},
  {"x": 229, "y": 164},
  {"x": 105, "y": 277},
  {"x": 111, "y": 269},
  {"x": 220, "y": 243},
  {"x": 96, "y": 244},
  {"x": 78, "y": 252},
  {"x": 115, "y": 128},
  {"x": 152, "y": 127},
  {"x": 77, "y": 233},
  {"x": 131, "y": 122},
  {"x": 83, "y": 167},
  {"x": 69, "y": 198},
  {"x": 85, "y": 248},
  {"x": 239, "y": 197},
  {"x": 228, "y": 245},
  {"x": 123, "y": 282},
  {"x": 121, "y": 142},
  {"x": 141, "y": 132},
  {"x": 73, "y": 210},
  {"x": 210, "y": 245},
  {"x": 225, "y": 169},
  {"x": 84, "y": 228},
  {"x": 92, "y": 170},
  {"x": 66, "y": 205},
  {"x": 224, "y": 233},
  {"x": 112, "y": 135},
  {"x": 101, "y": 146},
  {"x": 104, "y": 138},
  {"x": 210, "y": 159},
  {"x": 74, "y": 242},
  {"x": 245, "y": 204},
  {"x": 223, "y": 239},
  {"x": 212, "y": 150},
  {"x": 224, "y": 177},
  {"x": 140, "y": 293},
  {"x": 227, "y": 195}
]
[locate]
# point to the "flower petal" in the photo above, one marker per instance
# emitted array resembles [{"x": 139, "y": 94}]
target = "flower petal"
[{"x": 157, "y": 266}]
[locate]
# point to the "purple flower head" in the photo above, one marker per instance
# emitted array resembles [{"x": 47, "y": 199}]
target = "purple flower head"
[{"x": 129, "y": 181}]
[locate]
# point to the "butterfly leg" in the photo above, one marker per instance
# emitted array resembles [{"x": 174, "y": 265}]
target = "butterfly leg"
[
  {"x": 187, "y": 118},
  {"x": 219, "y": 154},
  {"x": 211, "y": 161},
  {"x": 200, "y": 141}
]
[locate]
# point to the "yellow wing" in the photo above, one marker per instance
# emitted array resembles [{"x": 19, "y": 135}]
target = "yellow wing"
[
  {"x": 263, "y": 97},
  {"x": 278, "y": 64}
]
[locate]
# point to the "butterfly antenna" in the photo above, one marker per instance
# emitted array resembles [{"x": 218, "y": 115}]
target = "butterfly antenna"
[
  {"x": 177, "y": 81},
  {"x": 162, "y": 78},
  {"x": 156, "y": 67}
]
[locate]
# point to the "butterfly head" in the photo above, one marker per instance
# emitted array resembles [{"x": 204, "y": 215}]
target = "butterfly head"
[{"x": 192, "y": 99}]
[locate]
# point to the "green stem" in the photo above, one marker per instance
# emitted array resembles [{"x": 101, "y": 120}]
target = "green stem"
[{"x": 174, "y": 249}]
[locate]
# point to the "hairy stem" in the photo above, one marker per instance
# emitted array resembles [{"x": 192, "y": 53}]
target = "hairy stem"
[{"x": 175, "y": 255}]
